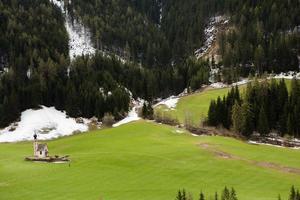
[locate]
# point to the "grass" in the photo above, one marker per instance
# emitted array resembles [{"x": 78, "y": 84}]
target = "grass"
[
  {"x": 143, "y": 160},
  {"x": 196, "y": 106}
]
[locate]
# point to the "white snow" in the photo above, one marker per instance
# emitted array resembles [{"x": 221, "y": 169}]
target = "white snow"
[
  {"x": 28, "y": 73},
  {"x": 210, "y": 33},
  {"x": 218, "y": 85},
  {"x": 170, "y": 102},
  {"x": 288, "y": 75},
  {"x": 79, "y": 36},
  {"x": 242, "y": 82},
  {"x": 223, "y": 85},
  {"x": 132, "y": 115},
  {"x": 47, "y": 122},
  {"x": 278, "y": 146}
]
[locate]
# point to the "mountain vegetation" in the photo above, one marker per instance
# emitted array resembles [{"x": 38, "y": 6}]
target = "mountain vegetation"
[
  {"x": 156, "y": 38},
  {"x": 265, "y": 107},
  {"x": 226, "y": 194},
  {"x": 264, "y": 35}
]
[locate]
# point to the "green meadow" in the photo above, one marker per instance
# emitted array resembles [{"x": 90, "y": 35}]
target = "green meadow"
[
  {"x": 143, "y": 161},
  {"x": 195, "y": 106}
]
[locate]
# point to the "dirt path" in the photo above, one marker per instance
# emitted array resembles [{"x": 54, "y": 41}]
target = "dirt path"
[{"x": 268, "y": 165}]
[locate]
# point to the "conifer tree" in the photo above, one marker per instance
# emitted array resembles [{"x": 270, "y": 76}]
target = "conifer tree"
[
  {"x": 233, "y": 194},
  {"x": 263, "y": 126},
  {"x": 216, "y": 196},
  {"x": 201, "y": 196},
  {"x": 247, "y": 119},
  {"x": 292, "y": 194},
  {"x": 225, "y": 194},
  {"x": 237, "y": 121},
  {"x": 212, "y": 114},
  {"x": 179, "y": 195}
]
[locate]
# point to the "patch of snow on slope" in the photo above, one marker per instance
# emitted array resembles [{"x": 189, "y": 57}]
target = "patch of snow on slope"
[
  {"x": 223, "y": 85},
  {"x": 210, "y": 34},
  {"x": 47, "y": 122},
  {"x": 170, "y": 102},
  {"x": 288, "y": 75},
  {"x": 278, "y": 146},
  {"x": 132, "y": 115},
  {"x": 79, "y": 36},
  {"x": 218, "y": 85}
]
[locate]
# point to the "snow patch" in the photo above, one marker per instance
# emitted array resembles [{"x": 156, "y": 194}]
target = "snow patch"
[
  {"x": 259, "y": 143},
  {"x": 210, "y": 33},
  {"x": 219, "y": 85},
  {"x": 79, "y": 36},
  {"x": 133, "y": 113},
  {"x": 289, "y": 75},
  {"x": 170, "y": 102},
  {"x": 47, "y": 122}
]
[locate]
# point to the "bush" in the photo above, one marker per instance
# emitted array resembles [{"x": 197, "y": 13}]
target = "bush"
[{"x": 108, "y": 120}]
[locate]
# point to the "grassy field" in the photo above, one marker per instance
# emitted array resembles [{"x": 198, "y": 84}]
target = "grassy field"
[
  {"x": 195, "y": 106},
  {"x": 147, "y": 161}
]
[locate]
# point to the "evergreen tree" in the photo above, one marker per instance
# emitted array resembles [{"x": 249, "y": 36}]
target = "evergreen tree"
[
  {"x": 212, "y": 118},
  {"x": 233, "y": 194},
  {"x": 179, "y": 195},
  {"x": 237, "y": 121},
  {"x": 216, "y": 196},
  {"x": 263, "y": 126},
  {"x": 201, "y": 196},
  {"x": 247, "y": 119},
  {"x": 292, "y": 194},
  {"x": 225, "y": 194}
]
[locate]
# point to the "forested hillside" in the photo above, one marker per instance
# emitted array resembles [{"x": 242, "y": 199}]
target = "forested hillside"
[
  {"x": 154, "y": 33},
  {"x": 265, "y": 107},
  {"x": 264, "y": 36},
  {"x": 157, "y": 39}
]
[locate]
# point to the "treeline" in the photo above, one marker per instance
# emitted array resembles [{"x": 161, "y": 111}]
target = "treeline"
[
  {"x": 90, "y": 86},
  {"x": 264, "y": 107},
  {"x": 264, "y": 36},
  {"x": 227, "y": 194},
  {"x": 36, "y": 69},
  {"x": 85, "y": 88}
]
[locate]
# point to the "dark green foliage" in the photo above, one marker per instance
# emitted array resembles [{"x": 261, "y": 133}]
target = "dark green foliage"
[
  {"x": 147, "y": 111},
  {"x": 226, "y": 195},
  {"x": 220, "y": 111},
  {"x": 294, "y": 194},
  {"x": 201, "y": 197},
  {"x": 198, "y": 73},
  {"x": 41, "y": 37},
  {"x": 263, "y": 126},
  {"x": 265, "y": 37},
  {"x": 181, "y": 195},
  {"x": 266, "y": 106},
  {"x": 139, "y": 31},
  {"x": 216, "y": 196}
]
